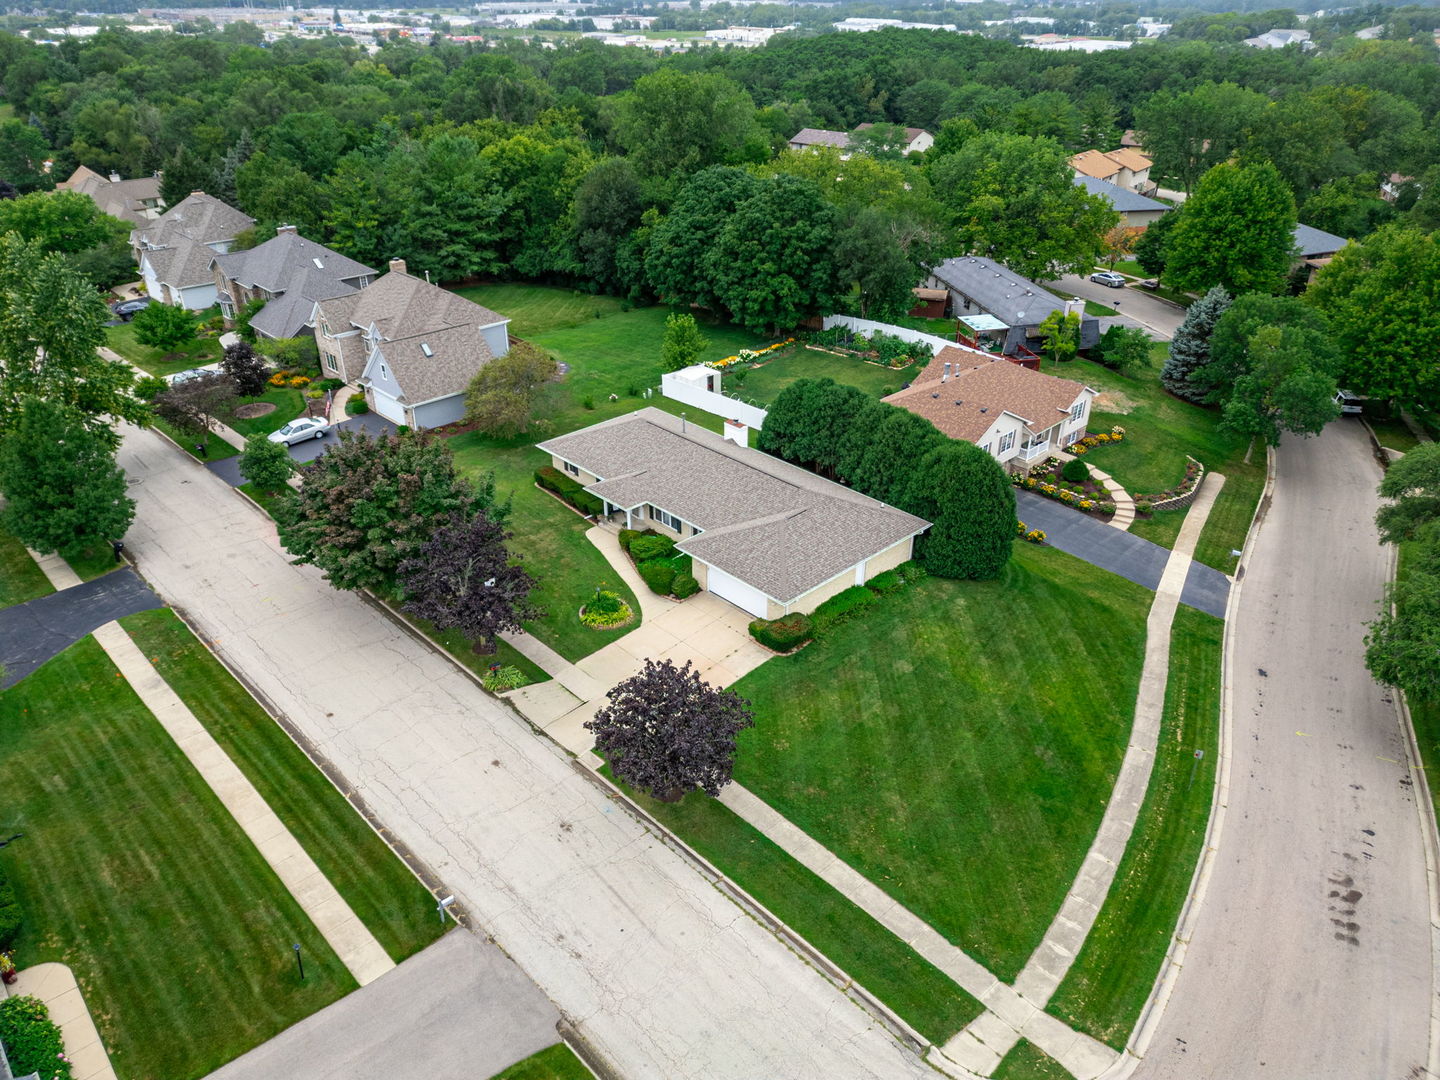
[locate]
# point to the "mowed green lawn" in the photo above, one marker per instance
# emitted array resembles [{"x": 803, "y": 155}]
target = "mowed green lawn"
[
  {"x": 288, "y": 405},
  {"x": 1111, "y": 979},
  {"x": 534, "y": 309},
  {"x": 133, "y": 874},
  {"x": 957, "y": 744},
  {"x": 764, "y": 384},
  {"x": 162, "y": 362},
  {"x": 1028, "y": 1062},
  {"x": 378, "y": 886},
  {"x": 21, "y": 578},
  {"x": 556, "y": 1062}
]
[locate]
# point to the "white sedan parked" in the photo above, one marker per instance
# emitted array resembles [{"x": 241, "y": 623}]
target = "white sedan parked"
[{"x": 307, "y": 427}]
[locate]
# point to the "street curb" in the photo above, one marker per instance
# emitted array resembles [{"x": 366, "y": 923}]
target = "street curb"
[
  {"x": 1425, "y": 808},
  {"x": 1154, "y": 1009}
]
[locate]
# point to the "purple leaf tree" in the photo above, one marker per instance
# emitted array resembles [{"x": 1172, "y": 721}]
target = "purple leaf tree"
[
  {"x": 668, "y": 732},
  {"x": 463, "y": 579}
]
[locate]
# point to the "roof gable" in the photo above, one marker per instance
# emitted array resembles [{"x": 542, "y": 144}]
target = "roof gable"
[
  {"x": 400, "y": 305},
  {"x": 1121, "y": 199},
  {"x": 288, "y": 258}
]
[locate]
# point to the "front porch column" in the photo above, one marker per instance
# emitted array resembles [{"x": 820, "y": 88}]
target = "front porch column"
[{"x": 628, "y": 524}]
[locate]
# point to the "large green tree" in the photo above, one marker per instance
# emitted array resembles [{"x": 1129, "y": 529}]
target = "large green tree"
[
  {"x": 1237, "y": 231},
  {"x": 966, "y": 495},
  {"x": 1412, "y": 484},
  {"x": 672, "y": 124},
  {"x": 608, "y": 204},
  {"x": 369, "y": 504},
  {"x": 23, "y": 153},
  {"x": 1190, "y": 347},
  {"x": 1188, "y": 132},
  {"x": 1013, "y": 199},
  {"x": 52, "y": 322},
  {"x": 1382, "y": 298},
  {"x": 63, "y": 491},
  {"x": 681, "y": 243},
  {"x": 1287, "y": 385}
]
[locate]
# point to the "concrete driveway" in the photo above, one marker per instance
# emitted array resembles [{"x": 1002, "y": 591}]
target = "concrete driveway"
[
  {"x": 663, "y": 974},
  {"x": 1312, "y": 953},
  {"x": 228, "y": 469},
  {"x": 458, "y": 1010},
  {"x": 1160, "y": 317}
]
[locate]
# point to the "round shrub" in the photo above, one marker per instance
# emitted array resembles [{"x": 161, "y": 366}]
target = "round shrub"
[
  {"x": 783, "y": 634},
  {"x": 626, "y": 536},
  {"x": 660, "y": 576},
  {"x": 645, "y": 548},
  {"x": 684, "y": 585},
  {"x": 1077, "y": 472},
  {"x": 357, "y": 405},
  {"x": 604, "y": 603}
]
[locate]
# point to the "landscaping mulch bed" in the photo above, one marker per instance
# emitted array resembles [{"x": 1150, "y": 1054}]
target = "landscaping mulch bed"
[{"x": 254, "y": 409}]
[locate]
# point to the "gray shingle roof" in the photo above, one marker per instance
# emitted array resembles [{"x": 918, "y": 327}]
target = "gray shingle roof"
[
  {"x": 288, "y": 314},
  {"x": 276, "y": 263},
  {"x": 1014, "y": 300},
  {"x": 455, "y": 354},
  {"x": 199, "y": 217},
  {"x": 821, "y": 137},
  {"x": 124, "y": 199},
  {"x": 401, "y": 305},
  {"x": 182, "y": 264},
  {"x": 775, "y": 526},
  {"x": 1312, "y": 242},
  {"x": 1121, "y": 199}
]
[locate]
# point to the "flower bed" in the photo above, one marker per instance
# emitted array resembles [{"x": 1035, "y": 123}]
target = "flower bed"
[
  {"x": 605, "y": 611},
  {"x": 879, "y": 347},
  {"x": 749, "y": 356},
  {"x": 1082, "y": 446},
  {"x": 1089, "y": 497},
  {"x": 1035, "y": 536},
  {"x": 1181, "y": 495}
]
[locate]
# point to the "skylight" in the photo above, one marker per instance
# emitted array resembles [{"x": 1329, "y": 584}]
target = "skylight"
[{"x": 318, "y": 264}]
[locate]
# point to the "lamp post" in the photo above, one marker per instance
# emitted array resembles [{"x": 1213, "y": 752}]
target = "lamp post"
[{"x": 299, "y": 963}]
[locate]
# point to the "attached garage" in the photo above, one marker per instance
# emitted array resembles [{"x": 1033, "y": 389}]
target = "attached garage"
[
  {"x": 387, "y": 406},
  {"x": 745, "y": 597}
]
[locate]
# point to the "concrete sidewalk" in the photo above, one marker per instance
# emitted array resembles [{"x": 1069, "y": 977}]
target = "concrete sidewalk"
[
  {"x": 55, "y": 985},
  {"x": 347, "y": 935},
  {"x": 458, "y": 1010}
]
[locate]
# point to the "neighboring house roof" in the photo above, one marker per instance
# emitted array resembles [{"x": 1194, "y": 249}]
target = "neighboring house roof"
[
  {"x": 773, "y": 525},
  {"x": 967, "y": 403},
  {"x": 1121, "y": 199},
  {"x": 182, "y": 266},
  {"x": 1094, "y": 163},
  {"x": 1130, "y": 140},
  {"x": 820, "y": 137},
  {"x": 911, "y": 134},
  {"x": 1130, "y": 159},
  {"x": 401, "y": 305},
  {"x": 1312, "y": 242},
  {"x": 1015, "y": 300},
  {"x": 433, "y": 364},
  {"x": 199, "y": 217},
  {"x": 124, "y": 199},
  {"x": 288, "y": 314},
  {"x": 287, "y": 257}
]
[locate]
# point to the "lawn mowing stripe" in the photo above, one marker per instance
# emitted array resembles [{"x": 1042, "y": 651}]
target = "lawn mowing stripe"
[
  {"x": 395, "y": 905},
  {"x": 131, "y": 869},
  {"x": 20, "y": 578},
  {"x": 1111, "y": 978}
]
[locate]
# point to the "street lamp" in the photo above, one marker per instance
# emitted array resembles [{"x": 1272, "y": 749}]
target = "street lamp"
[{"x": 299, "y": 963}]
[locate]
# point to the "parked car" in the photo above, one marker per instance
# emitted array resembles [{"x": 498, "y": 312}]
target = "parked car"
[
  {"x": 125, "y": 310},
  {"x": 307, "y": 427},
  {"x": 1109, "y": 279},
  {"x": 190, "y": 373},
  {"x": 1150, "y": 283},
  {"x": 1350, "y": 404}
]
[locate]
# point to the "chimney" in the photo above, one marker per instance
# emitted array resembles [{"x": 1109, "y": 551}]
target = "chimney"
[
  {"x": 1074, "y": 306},
  {"x": 281, "y": 230},
  {"x": 197, "y": 191},
  {"x": 114, "y": 177},
  {"x": 397, "y": 266},
  {"x": 737, "y": 432}
]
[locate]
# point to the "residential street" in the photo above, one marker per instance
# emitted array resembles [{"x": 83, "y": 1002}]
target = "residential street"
[
  {"x": 1156, "y": 315},
  {"x": 666, "y": 977},
  {"x": 1312, "y": 955}
]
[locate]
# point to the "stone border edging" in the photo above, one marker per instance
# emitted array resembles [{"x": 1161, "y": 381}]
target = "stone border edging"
[
  {"x": 1154, "y": 1008},
  {"x": 1180, "y": 501}
]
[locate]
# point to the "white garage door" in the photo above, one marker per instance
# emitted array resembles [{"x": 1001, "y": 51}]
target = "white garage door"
[
  {"x": 388, "y": 407},
  {"x": 746, "y": 597}
]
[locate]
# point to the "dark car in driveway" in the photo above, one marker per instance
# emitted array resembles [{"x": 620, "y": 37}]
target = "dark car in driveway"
[{"x": 125, "y": 310}]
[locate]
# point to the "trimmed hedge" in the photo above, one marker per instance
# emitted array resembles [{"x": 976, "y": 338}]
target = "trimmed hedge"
[
  {"x": 32, "y": 1040},
  {"x": 783, "y": 634},
  {"x": 10, "y": 915},
  {"x": 841, "y": 607},
  {"x": 572, "y": 491},
  {"x": 885, "y": 583},
  {"x": 654, "y": 546},
  {"x": 659, "y": 575},
  {"x": 684, "y": 585}
]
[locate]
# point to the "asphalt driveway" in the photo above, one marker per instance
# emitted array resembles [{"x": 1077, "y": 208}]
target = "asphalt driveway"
[
  {"x": 1112, "y": 549},
  {"x": 1160, "y": 317},
  {"x": 33, "y": 632},
  {"x": 228, "y": 469}
]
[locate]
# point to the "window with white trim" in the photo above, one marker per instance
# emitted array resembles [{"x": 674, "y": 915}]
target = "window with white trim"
[
  {"x": 1077, "y": 411},
  {"x": 573, "y": 470},
  {"x": 330, "y": 363},
  {"x": 383, "y": 373},
  {"x": 668, "y": 520},
  {"x": 1007, "y": 441},
  {"x": 987, "y": 449}
]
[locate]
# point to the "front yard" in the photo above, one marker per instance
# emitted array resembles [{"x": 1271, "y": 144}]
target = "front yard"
[
  {"x": 160, "y": 362},
  {"x": 20, "y": 578},
  {"x": 957, "y": 744},
  {"x": 133, "y": 874}
]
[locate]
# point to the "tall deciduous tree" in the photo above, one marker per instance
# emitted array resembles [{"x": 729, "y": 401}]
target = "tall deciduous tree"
[
  {"x": 668, "y": 732},
  {"x": 1412, "y": 484},
  {"x": 501, "y": 398},
  {"x": 369, "y": 504},
  {"x": 1190, "y": 348},
  {"x": 681, "y": 243},
  {"x": 63, "y": 490},
  {"x": 683, "y": 341},
  {"x": 1061, "y": 333},
  {"x": 1286, "y": 386},
  {"x": 673, "y": 124},
  {"x": 1190, "y": 132},
  {"x": 1013, "y": 199},
  {"x": 64, "y": 221},
  {"x": 51, "y": 326},
  {"x": 1237, "y": 231},
  {"x": 463, "y": 578},
  {"x": 1382, "y": 297},
  {"x": 1125, "y": 349},
  {"x": 1403, "y": 646},
  {"x": 23, "y": 153},
  {"x": 267, "y": 465},
  {"x": 964, "y": 492},
  {"x": 608, "y": 204}
]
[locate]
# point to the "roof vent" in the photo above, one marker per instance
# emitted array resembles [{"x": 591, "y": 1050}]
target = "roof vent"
[
  {"x": 936, "y": 394},
  {"x": 984, "y": 408},
  {"x": 424, "y": 348},
  {"x": 959, "y": 402}
]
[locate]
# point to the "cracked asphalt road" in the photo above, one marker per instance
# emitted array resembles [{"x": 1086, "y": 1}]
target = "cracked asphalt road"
[{"x": 666, "y": 977}]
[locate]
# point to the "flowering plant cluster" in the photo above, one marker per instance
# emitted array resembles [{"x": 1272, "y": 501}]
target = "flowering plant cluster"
[
  {"x": 1070, "y": 494},
  {"x": 748, "y": 356},
  {"x": 1081, "y": 447},
  {"x": 1035, "y": 536},
  {"x": 290, "y": 379}
]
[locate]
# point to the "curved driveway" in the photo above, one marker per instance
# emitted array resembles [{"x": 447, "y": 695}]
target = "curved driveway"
[{"x": 1311, "y": 957}]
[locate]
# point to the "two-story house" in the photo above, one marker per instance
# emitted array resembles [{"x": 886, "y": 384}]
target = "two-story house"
[
  {"x": 412, "y": 346},
  {"x": 175, "y": 250},
  {"x": 289, "y": 274}
]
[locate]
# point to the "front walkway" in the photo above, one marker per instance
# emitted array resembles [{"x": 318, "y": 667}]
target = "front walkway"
[
  {"x": 55, "y": 985},
  {"x": 347, "y": 935}
]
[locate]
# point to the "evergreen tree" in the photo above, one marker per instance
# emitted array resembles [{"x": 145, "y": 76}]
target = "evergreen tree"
[
  {"x": 970, "y": 502},
  {"x": 1190, "y": 348}
]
